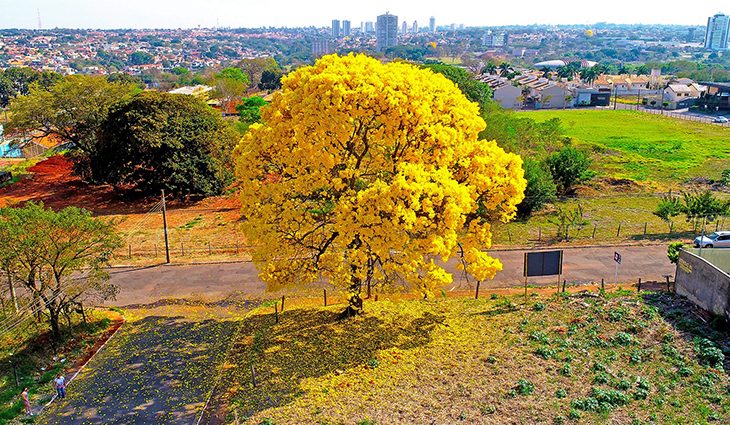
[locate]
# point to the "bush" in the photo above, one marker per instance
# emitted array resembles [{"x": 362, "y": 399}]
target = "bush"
[
  {"x": 708, "y": 353},
  {"x": 601, "y": 401},
  {"x": 540, "y": 189},
  {"x": 524, "y": 387},
  {"x": 569, "y": 167}
]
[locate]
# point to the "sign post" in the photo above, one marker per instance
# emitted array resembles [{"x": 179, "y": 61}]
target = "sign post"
[
  {"x": 617, "y": 259},
  {"x": 545, "y": 263}
]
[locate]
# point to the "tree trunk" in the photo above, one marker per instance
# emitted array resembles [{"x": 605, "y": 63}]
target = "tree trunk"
[
  {"x": 11, "y": 287},
  {"x": 53, "y": 317},
  {"x": 354, "y": 301}
]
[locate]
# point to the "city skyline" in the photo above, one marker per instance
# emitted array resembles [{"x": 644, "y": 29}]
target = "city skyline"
[{"x": 229, "y": 13}]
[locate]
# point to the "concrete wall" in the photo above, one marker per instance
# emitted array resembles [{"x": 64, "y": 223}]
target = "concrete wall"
[{"x": 703, "y": 284}]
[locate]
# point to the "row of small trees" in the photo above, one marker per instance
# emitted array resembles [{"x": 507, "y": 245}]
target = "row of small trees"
[
  {"x": 57, "y": 259},
  {"x": 696, "y": 206}
]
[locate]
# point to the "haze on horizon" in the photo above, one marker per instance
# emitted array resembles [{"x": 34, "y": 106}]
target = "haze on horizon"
[{"x": 319, "y": 13}]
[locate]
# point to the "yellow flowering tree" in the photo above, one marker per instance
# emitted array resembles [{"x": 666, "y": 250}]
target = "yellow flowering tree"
[{"x": 365, "y": 173}]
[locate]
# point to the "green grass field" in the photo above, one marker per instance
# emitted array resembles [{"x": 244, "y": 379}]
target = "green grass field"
[
  {"x": 644, "y": 147},
  {"x": 626, "y": 358}
]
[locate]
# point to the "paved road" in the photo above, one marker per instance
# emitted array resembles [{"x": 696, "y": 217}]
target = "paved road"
[{"x": 214, "y": 281}]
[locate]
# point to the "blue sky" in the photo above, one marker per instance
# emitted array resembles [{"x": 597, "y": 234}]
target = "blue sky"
[{"x": 257, "y": 13}]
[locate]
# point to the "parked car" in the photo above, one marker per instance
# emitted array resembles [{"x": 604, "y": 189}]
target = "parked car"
[
  {"x": 720, "y": 120},
  {"x": 714, "y": 240}
]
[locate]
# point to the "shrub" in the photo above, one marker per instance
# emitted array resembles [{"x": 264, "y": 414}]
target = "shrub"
[
  {"x": 569, "y": 167},
  {"x": 601, "y": 378},
  {"x": 538, "y": 306},
  {"x": 708, "y": 353},
  {"x": 566, "y": 370},
  {"x": 601, "y": 400},
  {"x": 539, "y": 336},
  {"x": 623, "y": 339},
  {"x": 524, "y": 387},
  {"x": 545, "y": 352},
  {"x": 561, "y": 393},
  {"x": 540, "y": 189}
]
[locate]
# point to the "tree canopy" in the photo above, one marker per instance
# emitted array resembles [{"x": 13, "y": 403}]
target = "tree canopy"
[
  {"x": 59, "y": 257},
  {"x": 164, "y": 141},
  {"x": 72, "y": 108},
  {"x": 363, "y": 173}
]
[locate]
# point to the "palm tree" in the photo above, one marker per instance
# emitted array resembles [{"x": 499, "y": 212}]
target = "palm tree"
[
  {"x": 505, "y": 69},
  {"x": 490, "y": 68}
]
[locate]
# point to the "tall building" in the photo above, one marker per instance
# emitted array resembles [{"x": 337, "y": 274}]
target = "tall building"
[
  {"x": 369, "y": 27},
  {"x": 403, "y": 27},
  {"x": 718, "y": 28},
  {"x": 346, "y": 28},
  {"x": 432, "y": 24},
  {"x": 320, "y": 47},
  {"x": 386, "y": 31},
  {"x": 335, "y": 28},
  {"x": 414, "y": 29},
  {"x": 492, "y": 39}
]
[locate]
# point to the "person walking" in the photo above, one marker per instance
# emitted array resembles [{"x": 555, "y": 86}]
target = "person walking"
[
  {"x": 26, "y": 402},
  {"x": 60, "y": 382}
]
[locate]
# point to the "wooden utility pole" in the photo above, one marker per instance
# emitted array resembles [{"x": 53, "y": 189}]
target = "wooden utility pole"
[{"x": 164, "y": 226}]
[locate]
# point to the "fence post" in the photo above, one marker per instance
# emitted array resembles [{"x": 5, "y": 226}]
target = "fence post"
[
  {"x": 236, "y": 247},
  {"x": 210, "y": 249},
  {"x": 253, "y": 375},
  {"x": 644, "y": 228},
  {"x": 564, "y": 282},
  {"x": 129, "y": 251},
  {"x": 618, "y": 232},
  {"x": 671, "y": 227},
  {"x": 276, "y": 312},
  {"x": 539, "y": 233},
  {"x": 602, "y": 285},
  {"x": 182, "y": 248},
  {"x": 638, "y": 287},
  {"x": 282, "y": 303},
  {"x": 594, "y": 231},
  {"x": 476, "y": 296},
  {"x": 155, "y": 250},
  {"x": 325, "y": 297}
]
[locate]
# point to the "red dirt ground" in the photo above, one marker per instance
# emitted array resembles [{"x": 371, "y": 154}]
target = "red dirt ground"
[{"x": 52, "y": 182}]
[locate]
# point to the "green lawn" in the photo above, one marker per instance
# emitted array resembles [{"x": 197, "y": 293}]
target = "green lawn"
[{"x": 644, "y": 147}]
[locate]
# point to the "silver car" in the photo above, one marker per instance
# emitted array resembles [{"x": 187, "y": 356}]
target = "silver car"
[
  {"x": 720, "y": 120},
  {"x": 714, "y": 240}
]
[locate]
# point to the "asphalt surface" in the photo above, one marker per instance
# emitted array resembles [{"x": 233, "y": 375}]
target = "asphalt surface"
[{"x": 214, "y": 281}]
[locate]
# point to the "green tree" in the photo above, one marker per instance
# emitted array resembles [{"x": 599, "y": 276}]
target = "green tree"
[
  {"x": 540, "y": 189},
  {"x": 270, "y": 80},
  {"x": 255, "y": 67},
  {"x": 702, "y": 206},
  {"x": 250, "y": 110},
  {"x": 164, "y": 141},
  {"x": 47, "y": 252},
  {"x": 140, "y": 58},
  {"x": 569, "y": 167},
  {"x": 230, "y": 83},
  {"x": 668, "y": 208},
  {"x": 73, "y": 108}
]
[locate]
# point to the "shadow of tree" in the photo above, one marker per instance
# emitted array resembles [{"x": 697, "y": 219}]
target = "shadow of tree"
[
  {"x": 691, "y": 321},
  {"x": 157, "y": 370},
  {"x": 306, "y": 344}
]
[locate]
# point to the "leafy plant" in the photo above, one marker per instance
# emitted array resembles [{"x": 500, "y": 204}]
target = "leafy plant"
[
  {"x": 524, "y": 387},
  {"x": 569, "y": 167},
  {"x": 708, "y": 353}
]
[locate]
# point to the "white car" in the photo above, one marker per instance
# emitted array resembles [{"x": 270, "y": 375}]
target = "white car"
[
  {"x": 713, "y": 240},
  {"x": 720, "y": 120}
]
